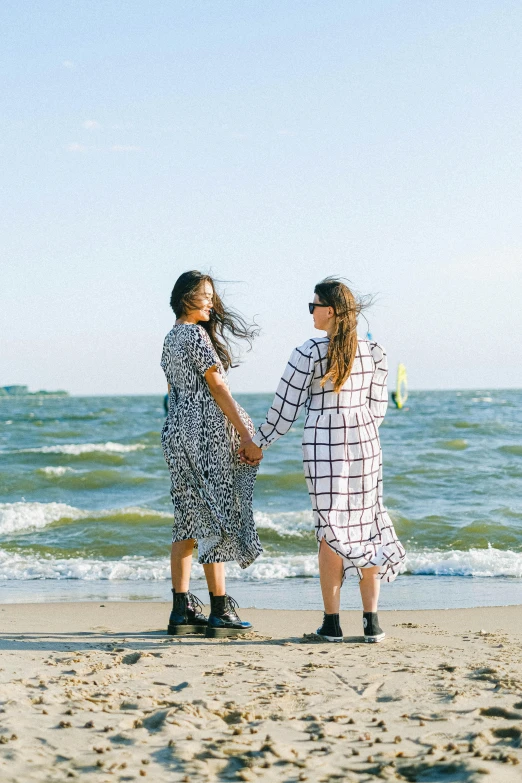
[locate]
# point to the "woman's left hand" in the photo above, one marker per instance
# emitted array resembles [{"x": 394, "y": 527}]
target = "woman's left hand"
[{"x": 249, "y": 452}]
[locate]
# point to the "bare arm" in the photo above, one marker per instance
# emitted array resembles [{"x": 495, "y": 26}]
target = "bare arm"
[{"x": 224, "y": 399}]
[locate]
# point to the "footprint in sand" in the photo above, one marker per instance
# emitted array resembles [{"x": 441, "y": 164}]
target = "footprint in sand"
[
  {"x": 509, "y": 733},
  {"x": 500, "y": 712},
  {"x": 180, "y": 687},
  {"x": 131, "y": 658}
]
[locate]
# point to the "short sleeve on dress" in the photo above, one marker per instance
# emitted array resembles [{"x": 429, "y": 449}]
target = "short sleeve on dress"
[{"x": 200, "y": 350}]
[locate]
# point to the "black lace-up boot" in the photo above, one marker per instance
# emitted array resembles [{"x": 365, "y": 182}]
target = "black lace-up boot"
[
  {"x": 331, "y": 628},
  {"x": 372, "y": 630},
  {"x": 224, "y": 619},
  {"x": 186, "y": 615}
]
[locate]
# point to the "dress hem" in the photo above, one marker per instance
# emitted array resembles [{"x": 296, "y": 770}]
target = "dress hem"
[{"x": 387, "y": 557}]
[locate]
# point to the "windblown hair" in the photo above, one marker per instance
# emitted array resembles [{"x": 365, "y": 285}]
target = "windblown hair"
[
  {"x": 343, "y": 342},
  {"x": 224, "y": 324}
]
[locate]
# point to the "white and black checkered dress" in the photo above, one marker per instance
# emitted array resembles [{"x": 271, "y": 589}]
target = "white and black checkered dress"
[{"x": 341, "y": 452}]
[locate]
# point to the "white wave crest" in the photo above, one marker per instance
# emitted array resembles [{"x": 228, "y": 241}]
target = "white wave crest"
[
  {"x": 476, "y": 562},
  {"x": 59, "y": 470},
  {"x": 286, "y": 523},
  {"x": 75, "y": 449},
  {"x": 23, "y": 516},
  {"x": 15, "y": 517},
  {"x": 266, "y": 568},
  {"x": 473, "y": 562},
  {"x": 14, "y": 566}
]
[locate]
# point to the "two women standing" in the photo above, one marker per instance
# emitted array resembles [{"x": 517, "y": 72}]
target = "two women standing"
[{"x": 340, "y": 380}]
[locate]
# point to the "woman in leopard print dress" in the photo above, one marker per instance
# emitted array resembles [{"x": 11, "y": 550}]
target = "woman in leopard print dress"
[{"x": 211, "y": 488}]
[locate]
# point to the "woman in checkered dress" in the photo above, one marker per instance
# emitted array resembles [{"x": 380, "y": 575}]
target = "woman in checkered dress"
[{"x": 340, "y": 380}]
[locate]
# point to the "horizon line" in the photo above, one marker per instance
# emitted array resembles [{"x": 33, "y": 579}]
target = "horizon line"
[{"x": 162, "y": 394}]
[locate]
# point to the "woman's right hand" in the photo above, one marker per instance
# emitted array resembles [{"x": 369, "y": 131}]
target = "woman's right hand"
[{"x": 249, "y": 452}]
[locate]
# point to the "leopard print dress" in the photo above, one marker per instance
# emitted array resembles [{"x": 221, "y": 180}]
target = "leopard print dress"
[{"x": 211, "y": 489}]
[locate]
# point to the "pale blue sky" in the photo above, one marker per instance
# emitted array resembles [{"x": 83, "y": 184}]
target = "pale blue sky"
[{"x": 274, "y": 143}]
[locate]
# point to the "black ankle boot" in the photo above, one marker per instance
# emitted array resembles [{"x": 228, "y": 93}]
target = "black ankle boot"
[
  {"x": 186, "y": 615},
  {"x": 372, "y": 630},
  {"x": 331, "y": 628},
  {"x": 223, "y": 619}
]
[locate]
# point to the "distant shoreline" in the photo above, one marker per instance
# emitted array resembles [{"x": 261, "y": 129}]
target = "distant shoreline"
[
  {"x": 239, "y": 393},
  {"x": 16, "y": 392}
]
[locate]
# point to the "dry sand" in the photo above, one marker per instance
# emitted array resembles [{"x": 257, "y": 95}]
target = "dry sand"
[{"x": 100, "y": 693}]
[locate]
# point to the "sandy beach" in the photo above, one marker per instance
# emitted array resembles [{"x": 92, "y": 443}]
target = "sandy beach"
[{"x": 99, "y": 692}]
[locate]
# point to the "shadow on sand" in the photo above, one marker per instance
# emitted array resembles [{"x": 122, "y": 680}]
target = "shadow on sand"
[{"x": 102, "y": 640}]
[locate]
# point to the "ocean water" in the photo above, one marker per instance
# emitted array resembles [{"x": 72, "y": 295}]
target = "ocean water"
[{"x": 85, "y": 510}]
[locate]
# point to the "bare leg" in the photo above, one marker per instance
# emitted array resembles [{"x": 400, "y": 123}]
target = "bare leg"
[
  {"x": 370, "y": 586},
  {"x": 331, "y": 576},
  {"x": 180, "y": 564},
  {"x": 215, "y": 576}
]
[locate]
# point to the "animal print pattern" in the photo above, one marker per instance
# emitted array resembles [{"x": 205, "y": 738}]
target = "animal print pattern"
[
  {"x": 212, "y": 491},
  {"x": 342, "y": 454}
]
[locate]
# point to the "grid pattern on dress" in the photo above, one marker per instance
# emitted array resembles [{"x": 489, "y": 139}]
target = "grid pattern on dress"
[{"x": 342, "y": 454}]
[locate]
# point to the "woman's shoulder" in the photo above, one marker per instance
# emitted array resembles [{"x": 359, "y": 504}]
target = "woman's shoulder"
[
  {"x": 169, "y": 337},
  {"x": 313, "y": 343},
  {"x": 315, "y": 346},
  {"x": 187, "y": 331},
  {"x": 181, "y": 336},
  {"x": 372, "y": 347}
]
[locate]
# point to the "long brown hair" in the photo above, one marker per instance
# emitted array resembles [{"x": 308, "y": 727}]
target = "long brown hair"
[
  {"x": 343, "y": 342},
  {"x": 224, "y": 324}
]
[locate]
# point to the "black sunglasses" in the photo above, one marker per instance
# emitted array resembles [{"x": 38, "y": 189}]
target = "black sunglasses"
[{"x": 313, "y": 305}]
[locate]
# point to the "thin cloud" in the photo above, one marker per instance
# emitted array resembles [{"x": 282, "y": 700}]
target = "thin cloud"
[
  {"x": 91, "y": 125},
  {"x": 69, "y": 64},
  {"x": 125, "y": 148},
  {"x": 77, "y": 147}
]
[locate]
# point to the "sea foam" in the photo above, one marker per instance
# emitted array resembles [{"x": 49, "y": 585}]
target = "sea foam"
[
  {"x": 59, "y": 470},
  {"x": 471, "y": 562},
  {"x": 16, "y": 517},
  {"x": 24, "y": 516},
  {"x": 286, "y": 523},
  {"x": 15, "y": 566},
  {"x": 475, "y": 562},
  {"x": 75, "y": 449}
]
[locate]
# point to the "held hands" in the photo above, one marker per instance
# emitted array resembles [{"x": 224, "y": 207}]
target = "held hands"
[{"x": 249, "y": 453}]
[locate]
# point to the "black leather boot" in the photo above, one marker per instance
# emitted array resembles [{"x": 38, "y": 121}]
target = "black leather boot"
[
  {"x": 186, "y": 616},
  {"x": 372, "y": 630},
  {"x": 223, "y": 619},
  {"x": 331, "y": 628}
]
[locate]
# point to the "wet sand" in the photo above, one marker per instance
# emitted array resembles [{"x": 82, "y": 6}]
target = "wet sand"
[{"x": 100, "y": 693}]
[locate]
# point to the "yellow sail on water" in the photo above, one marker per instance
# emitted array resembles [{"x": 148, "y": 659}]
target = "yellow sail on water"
[{"x": 401, "y": 393}]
